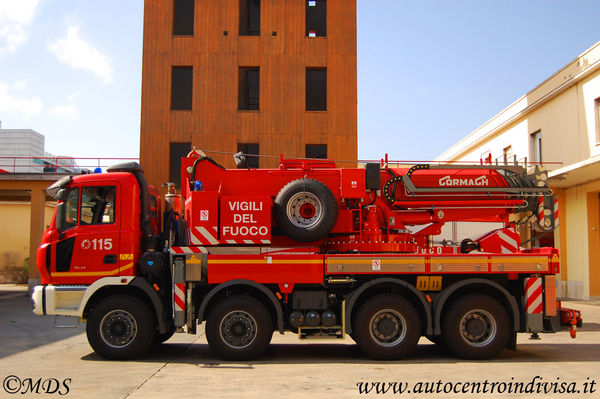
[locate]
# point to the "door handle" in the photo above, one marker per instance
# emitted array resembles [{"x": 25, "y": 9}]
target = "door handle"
[{"x": 110, "y": 259}]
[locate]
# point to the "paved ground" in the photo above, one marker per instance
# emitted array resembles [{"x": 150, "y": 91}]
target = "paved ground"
[{"x": 31, "y": 348}]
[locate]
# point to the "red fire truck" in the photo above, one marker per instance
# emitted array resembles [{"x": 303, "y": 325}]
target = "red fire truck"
[{"x": 309, "y": 247}]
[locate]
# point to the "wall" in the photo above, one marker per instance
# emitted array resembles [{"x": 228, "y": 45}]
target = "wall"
[
  {"x": 14, "y": 238},
  {"x": 591, "y": 92},
  {"x": 558, "y": 120}
]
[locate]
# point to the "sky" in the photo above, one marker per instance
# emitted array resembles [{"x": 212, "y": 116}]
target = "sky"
[{"x": 429, "y": 71}]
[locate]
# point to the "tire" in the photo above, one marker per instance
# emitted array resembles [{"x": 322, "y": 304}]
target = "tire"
[
  {"x": 120, "y": 327},
  {"x": 476, "y": 327},
  {"x": 387, "y": 327},
  {"x": 305, "y": 210},
  {"x": 239, "y": 328}
]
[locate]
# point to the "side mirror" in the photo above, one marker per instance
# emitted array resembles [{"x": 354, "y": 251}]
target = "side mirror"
[
  {"x": 61, "y": 216},
  {"x": 62, "y": 194}
]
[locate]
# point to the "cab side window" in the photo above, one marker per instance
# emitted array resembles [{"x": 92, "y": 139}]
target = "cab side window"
[
  {"x": 71, "y": 208},
  {"x": 98, "y": 205}
]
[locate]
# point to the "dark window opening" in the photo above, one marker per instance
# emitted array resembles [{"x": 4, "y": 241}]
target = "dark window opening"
[
  {"x": 176, "y": 152},
  {"x": 249, "y": 17},
  {"x": 250, "y": 149},
  {"x": 535, "y": 149},
  {"x": 316, "y": 151},
  {"x": 316, "y": 18},
  {"x": 183, "y": 18},
  {"x": 316, "y": 89},
  {"x": 248, "y": 96},
  {"x": 182, "y": 79}
]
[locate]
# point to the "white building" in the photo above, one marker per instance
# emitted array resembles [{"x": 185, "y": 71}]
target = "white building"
[
  {"x": 22, "y": 151},
  {"x": 557, "y": 123}
]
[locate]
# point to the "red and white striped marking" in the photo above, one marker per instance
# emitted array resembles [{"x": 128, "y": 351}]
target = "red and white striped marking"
[
  {"x": 248, "y": 241},
  {"x": 509, "y": 241},
  {"x": 188, "y": 250},
  {"x": 545, "y": 212},
  {"x": 504, "y": 241},
  {"x": 204, "y": 236},
  {"x": 533, "y": 295},
  {"x": 179, "y": 297}
]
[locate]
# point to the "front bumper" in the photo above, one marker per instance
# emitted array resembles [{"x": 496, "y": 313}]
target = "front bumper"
[{"x": 58, "y": 300}]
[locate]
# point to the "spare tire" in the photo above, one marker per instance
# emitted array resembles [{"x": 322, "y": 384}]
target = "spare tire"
[{"x": 305, "y": 210}]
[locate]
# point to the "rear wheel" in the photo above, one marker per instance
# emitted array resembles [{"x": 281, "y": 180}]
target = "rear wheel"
[
  {"x": 476, "y": 327},
  {"x": 387, "y": 327},
  {"x": 239, "y": 328},
  {"x": 120, "y": 327}
]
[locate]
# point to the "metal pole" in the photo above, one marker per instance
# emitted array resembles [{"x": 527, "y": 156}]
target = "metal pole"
[{"x": 454, "y": 237}]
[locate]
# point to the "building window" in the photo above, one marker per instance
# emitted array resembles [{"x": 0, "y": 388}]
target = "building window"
[
  {"x": 183, "y": 18},
  {"x": 251, "y": 152},
  {"x": 316, "y": 18},
  {"x": 176, "y": 152},
  {"x": 535, "y": 147},
  {"x": 182, "y": 78},
  {"x": 249, "y": 17},
  {"x": 508, "y": 155},
  {"x": 597, "y": 112},
  {"x": 316, "y": 151},
  {"x": 316, "y": 89},
  {"x": 249, "y": 83}
]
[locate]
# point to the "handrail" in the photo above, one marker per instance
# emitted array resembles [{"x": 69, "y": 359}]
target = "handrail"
[{"x": 57, "y": 164}]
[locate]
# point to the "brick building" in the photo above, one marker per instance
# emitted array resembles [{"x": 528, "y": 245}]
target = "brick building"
[{"x": 265, "y": 77}]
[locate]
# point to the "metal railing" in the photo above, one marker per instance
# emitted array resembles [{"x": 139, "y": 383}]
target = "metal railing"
[{"x": 57, "y": 164}]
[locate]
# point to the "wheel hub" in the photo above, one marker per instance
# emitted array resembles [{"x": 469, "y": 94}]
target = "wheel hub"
[
  {"x": 118, "y": 328},
  {"x": 304, "y": 209},
  {"x": 475, "y": 327},
  {"x": 238, "y": 329},
  {"x": 478, "y": 328},
  {"x": 307, "y": 210},
  {"x": 387, "y": 327}
]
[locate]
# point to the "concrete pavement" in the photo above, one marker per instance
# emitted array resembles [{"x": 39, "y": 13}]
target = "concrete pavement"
[{"x": 31, "y": 348}]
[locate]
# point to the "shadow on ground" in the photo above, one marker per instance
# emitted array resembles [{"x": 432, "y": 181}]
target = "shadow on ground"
[
  {"x": 202, "y": 356},
  {"x": 21, "y": 330}
]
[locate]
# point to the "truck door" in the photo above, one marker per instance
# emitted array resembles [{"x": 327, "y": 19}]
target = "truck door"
[{"x": 88, "y": 246}]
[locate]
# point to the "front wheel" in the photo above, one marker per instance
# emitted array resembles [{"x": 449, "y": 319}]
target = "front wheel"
[
  {"x": 120, "y": 327},
  {"x": 239, "y": 328},
  {"x": 476, "y": 327},
  {"x": 387, "y": 327}
]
